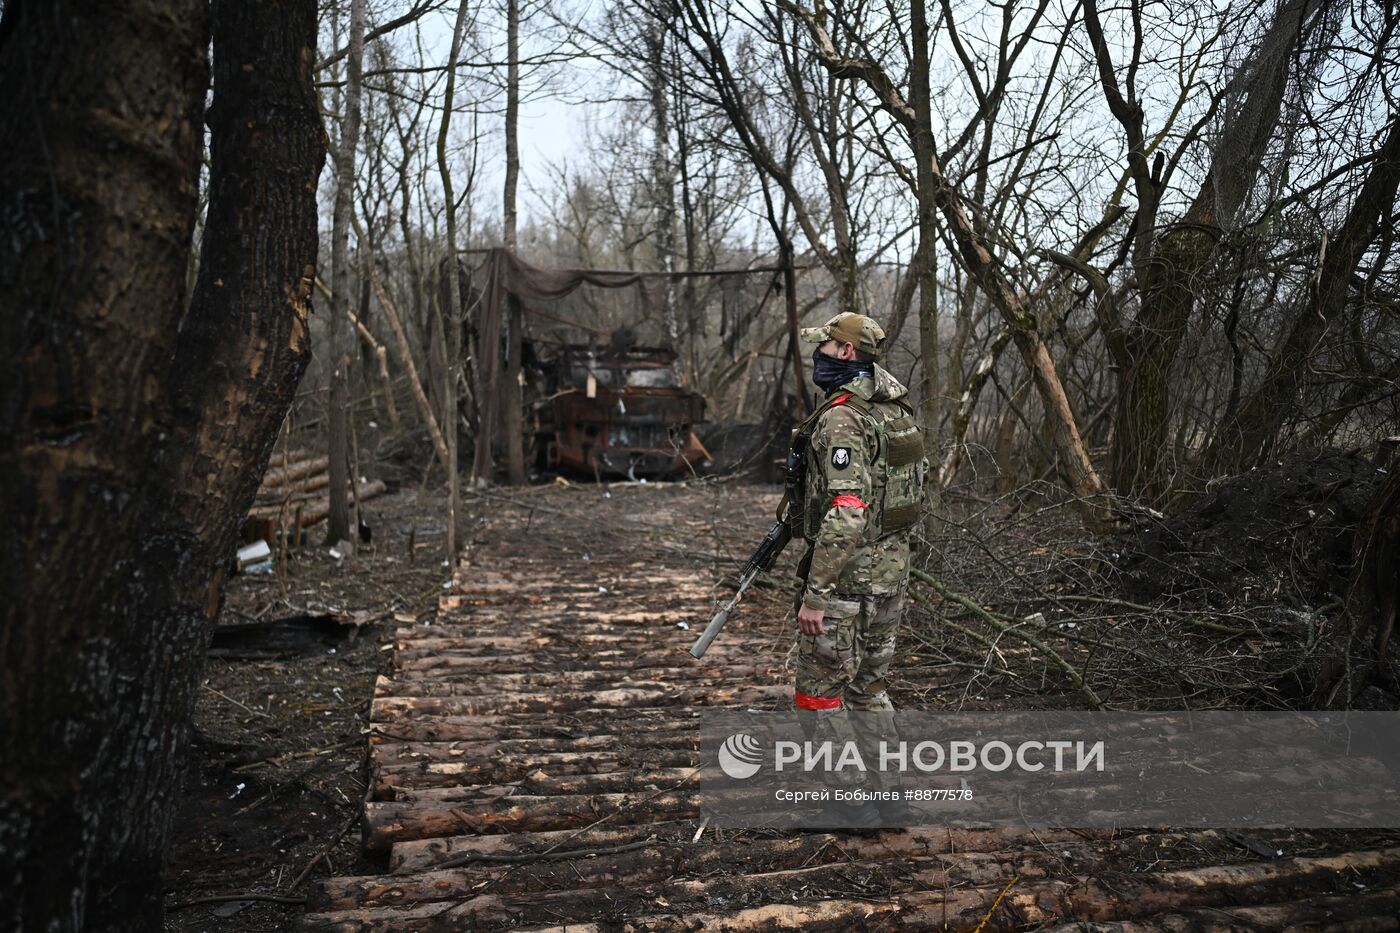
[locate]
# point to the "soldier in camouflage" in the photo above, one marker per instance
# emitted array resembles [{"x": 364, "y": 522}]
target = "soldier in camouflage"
[{"x": 863, "y": 491}]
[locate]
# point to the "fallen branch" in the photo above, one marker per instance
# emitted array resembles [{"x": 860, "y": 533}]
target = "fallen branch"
[
  {"x": 324, "y": 850},
  {"x": 224, "y": 898},
  {"x": 1012, "y": 630},
  {"x": 960, "y": 629},
  {"x": 547, "y": 855},
  {"x": 255, "y": 712}
]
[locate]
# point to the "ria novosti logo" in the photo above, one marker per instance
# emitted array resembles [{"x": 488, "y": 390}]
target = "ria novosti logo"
[{"x": 740, "y": 756}]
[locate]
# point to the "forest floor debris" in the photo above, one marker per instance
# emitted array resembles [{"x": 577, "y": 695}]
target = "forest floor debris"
[{"x": 276, "y": 770}]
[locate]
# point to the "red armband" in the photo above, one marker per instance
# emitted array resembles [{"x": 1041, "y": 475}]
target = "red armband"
[
  {"x": 807, "y": 701},
  {"x": 848, "y": 502}
]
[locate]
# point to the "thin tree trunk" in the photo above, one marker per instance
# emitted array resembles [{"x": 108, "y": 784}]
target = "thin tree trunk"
[
  {"x": 133, "y": 442},
  {"x": 450, "y": 318},
  {"x": 415, "y": 384},
  {"x": 930, "y": 400},
  {"x": 967, "y": 404},
  {"x": 794, "y": 342},
  {"x": 695, "y": 320},
  {"x": 662, "y": 178},
  {"x": 339, "y": 343},
  {"x": 511, "y": 399}
]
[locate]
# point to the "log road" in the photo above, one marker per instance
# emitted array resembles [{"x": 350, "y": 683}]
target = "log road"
[{"x": 531, "y": 756}]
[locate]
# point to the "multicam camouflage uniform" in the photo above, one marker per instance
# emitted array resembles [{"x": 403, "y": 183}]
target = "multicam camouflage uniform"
[
  {"x": 863, "y": 492},
  {"x": 859, "y": 581}
]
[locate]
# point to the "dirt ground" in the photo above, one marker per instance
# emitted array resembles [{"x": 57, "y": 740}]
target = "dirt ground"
[{"x": 276, "y": 772}]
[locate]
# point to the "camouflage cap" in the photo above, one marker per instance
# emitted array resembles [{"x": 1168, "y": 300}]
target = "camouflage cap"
[{"x": 848, "y": 327}]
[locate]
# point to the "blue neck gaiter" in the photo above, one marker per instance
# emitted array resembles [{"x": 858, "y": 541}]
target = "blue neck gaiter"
[{"x": 830, "y": 373}]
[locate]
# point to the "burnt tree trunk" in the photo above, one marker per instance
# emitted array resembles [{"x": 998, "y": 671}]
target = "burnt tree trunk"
[{"x": 133, "y": 443}]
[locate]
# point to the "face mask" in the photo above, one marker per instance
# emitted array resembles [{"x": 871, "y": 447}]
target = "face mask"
[{"x": 830, "y": 373}]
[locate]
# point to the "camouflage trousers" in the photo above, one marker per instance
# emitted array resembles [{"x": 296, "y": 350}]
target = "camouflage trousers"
[
  {"x": 850, "y": 662},
  {"x": 840, "y": 695}
]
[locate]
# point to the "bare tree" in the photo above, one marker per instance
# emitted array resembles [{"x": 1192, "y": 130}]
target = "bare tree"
[
  {"x": 1168, "y": 259},
  {"x": 451, "y": 316},
  {"x": 975, "y": 254},
  {"x": 511, "y": 398}
]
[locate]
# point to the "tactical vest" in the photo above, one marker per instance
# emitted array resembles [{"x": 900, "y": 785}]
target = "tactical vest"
[{"x": 897, "y": 472}]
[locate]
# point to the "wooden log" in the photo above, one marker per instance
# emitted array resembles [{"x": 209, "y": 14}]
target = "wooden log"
[
  {"x": 539, "y": 784},
  {"x": 387, "y": 781},
  {"x": 1358, "y": 912},
  {"x": 448, "y": 903},
  {"x": 821, "y": 916},
  {"x": 387, "y": 823},
  {"x": 281, "y": 475},
  {"x": 424, "y": 854},
  {"x": 466, "y": 613},
  {"x": 554, "y": 657},
  {"x": 389, "y": 712},
  {"x": 294, "y": 490},
  {"x": 280, "y": 458},
  {"x": 636, "y": 859},
  {"x": 630, "y": 698},
  {"x": 421, "y": 854},
  {"x": 809, "y": 862},
  {"x": 405, "y": 727},
  {"x": 476, "y": 682},
  {"x": 529, "y": 751},
  {"x": 816, "y": 916},
  {"x": 319, "y": 511},
  {"x": 1021, "y": 893},
  {"x": 1363, "y": 913},
  {"x": 587, "y": 635},
  {"x": 626, "y": 736},
  {"x": 475, "y": 600},
  {"x": 630, "y": 615}
]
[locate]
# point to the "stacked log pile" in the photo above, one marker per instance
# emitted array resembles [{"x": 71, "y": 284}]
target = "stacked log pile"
[
  {"x": 530, "y": 764},
  {"x": 295, "y": 494}
]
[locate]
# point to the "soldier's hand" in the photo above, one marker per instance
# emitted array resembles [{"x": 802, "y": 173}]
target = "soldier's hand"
[{"x": 809, "y": 621}]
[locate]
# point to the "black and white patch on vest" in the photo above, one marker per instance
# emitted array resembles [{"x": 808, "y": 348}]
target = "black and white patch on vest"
[{"x": 840, "y": 457}]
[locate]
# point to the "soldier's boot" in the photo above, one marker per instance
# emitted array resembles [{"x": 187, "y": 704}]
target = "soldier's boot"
[
  {"x": 832, "y": 725},
  {"x": 872, "y": 720}
]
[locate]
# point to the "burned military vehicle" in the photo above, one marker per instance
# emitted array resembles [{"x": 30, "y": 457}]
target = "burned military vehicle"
[{"x": 616, "y": 411}]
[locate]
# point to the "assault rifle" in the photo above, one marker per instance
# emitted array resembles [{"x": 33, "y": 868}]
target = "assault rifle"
[
  {"x": 773, "y": 542},
  {"x": 768, "y": 550}
]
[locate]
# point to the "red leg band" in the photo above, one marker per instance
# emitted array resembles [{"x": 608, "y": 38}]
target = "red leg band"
[{"x": 807, "y": 701}]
